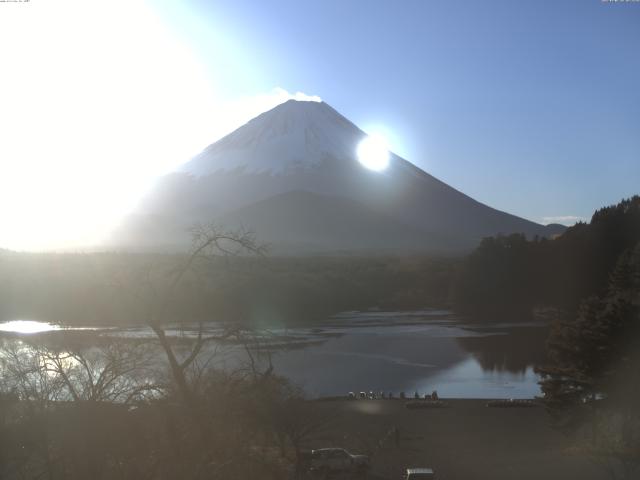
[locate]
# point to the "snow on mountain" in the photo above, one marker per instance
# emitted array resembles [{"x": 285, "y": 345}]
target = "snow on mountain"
[{"x": 294, "y": 135}]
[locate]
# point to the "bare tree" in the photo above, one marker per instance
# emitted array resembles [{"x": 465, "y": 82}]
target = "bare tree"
[
  {"x": 157, "y": 288},
  {"x": 161, "y": 291},
  {"x": 72, "y": 404},
  {"x": 208, "y": 241},
  {"x": 42, "y": 375}
]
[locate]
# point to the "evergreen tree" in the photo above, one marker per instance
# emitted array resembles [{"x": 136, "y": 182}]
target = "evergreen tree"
[
  {"x": 592, "y": 386},
  {"x": 510, "y": 275}
]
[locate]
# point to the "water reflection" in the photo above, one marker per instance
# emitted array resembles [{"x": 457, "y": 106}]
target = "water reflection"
[
  {"x": 419, "y": 353},
  {"x": 513, "y": 350},
  {"x": 53, "y": 368},
  {"x": 469, "y": 379}
]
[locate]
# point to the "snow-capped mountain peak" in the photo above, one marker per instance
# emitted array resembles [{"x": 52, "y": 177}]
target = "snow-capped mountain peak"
[{"x": 294, "y": 135}]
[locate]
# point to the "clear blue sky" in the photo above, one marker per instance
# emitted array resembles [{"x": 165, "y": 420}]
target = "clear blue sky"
[{"x": 532, "y": 107}]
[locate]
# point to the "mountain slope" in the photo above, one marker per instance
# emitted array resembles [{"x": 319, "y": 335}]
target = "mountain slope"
[
  {"x": 309, "y": 147},
  {"x": 309, "y": 222}
]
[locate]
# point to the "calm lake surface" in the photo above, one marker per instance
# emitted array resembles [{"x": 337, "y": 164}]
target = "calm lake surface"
[
  {"x": 416, "y": 351},
  {"x": 391, "y": 352}
]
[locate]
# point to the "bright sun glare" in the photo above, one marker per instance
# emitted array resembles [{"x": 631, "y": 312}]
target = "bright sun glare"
[
  {"x": 373, "y": 152},
  {"x": 97, "y": 99},
  {"x": 94, "y": 103},
  {"x": 26, "y": 326}
]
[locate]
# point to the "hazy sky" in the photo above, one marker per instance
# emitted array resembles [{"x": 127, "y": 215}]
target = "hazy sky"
[{"x": 532, "y": 107}]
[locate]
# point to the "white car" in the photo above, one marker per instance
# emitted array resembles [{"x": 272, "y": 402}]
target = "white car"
[
  {"x": 338, "y": 460},
  {"x": 420, "y": 474}
]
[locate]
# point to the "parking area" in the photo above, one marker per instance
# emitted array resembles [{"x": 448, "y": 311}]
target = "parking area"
[{"x": 464, "y": 441}]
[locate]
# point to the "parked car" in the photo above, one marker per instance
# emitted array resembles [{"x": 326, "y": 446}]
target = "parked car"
[
  {"x": 337, "y": 460},
  {"x": 420, "y": 474}
]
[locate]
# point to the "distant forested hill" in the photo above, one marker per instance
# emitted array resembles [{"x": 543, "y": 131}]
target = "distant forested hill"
[
  {"x": 509, "y": 275},
  {"x": 115, "y": 289}
]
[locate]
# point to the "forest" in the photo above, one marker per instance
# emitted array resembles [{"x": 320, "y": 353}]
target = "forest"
[
  {"x": 591, "y": 277},
  {"x": 504, "y": 277},
  {"x": 509, "y": 276},
  {"x": 108, "y": 289}
]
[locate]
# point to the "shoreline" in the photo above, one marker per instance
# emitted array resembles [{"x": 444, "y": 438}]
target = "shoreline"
[{"x": 336, "y": 398}]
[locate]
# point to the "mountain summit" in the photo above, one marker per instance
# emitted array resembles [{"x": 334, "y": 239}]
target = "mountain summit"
[
  {"x": 292, "y": 175},
  {"x": 294, "y": 134}
]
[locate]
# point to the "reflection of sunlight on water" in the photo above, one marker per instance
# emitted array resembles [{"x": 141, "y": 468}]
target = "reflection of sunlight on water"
[
  {"x": 27, "y": 326},
  {"x": 115, "y": 372},
  {"x": 64, "y": 361},
  {"x": 35, "y": 360}
]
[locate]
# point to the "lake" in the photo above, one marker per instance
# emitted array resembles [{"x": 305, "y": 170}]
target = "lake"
[
  {"x": 388, "y": 351},
  {"x": 415, "y": 351}
]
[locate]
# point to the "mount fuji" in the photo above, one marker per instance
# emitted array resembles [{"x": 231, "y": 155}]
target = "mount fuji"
[{"x": 291, "y": 175}]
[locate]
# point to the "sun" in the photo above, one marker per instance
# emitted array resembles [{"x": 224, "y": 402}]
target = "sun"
[{"x": 373, "y": 152}]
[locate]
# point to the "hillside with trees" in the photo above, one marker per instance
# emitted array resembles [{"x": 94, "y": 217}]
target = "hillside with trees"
[
  {"x": 591, "y": 384},
  {"x": 103, "y": 288},
  {"x": 591, "y": 276},
  {"x": 507, "y": 276}
]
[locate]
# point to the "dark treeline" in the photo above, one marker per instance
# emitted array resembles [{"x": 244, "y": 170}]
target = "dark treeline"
[
  {"x": 591, "y": 383},
  {"x": 506, "y": 276},
  {"x": 510, "y": 274},
  {"x": 105, "y": 288}
]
